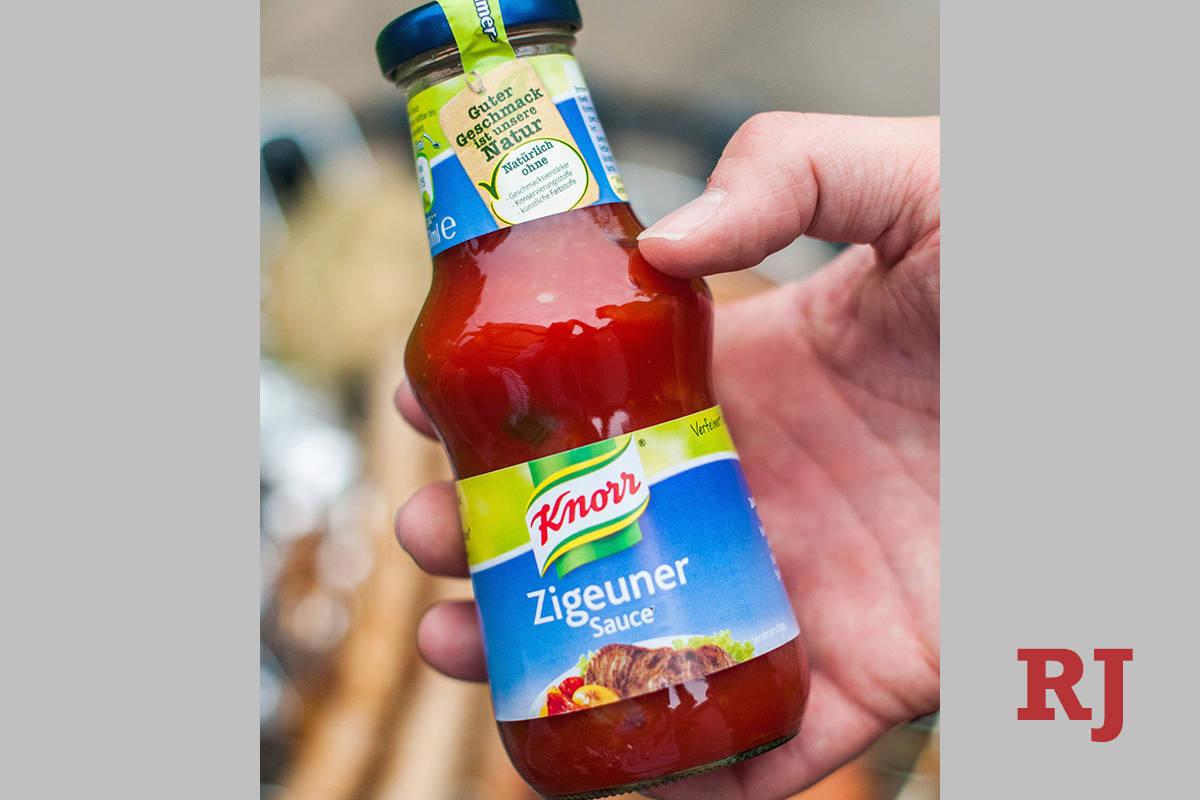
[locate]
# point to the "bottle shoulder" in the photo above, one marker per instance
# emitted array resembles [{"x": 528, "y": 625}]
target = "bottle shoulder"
[{"x": 579, "y": 268}]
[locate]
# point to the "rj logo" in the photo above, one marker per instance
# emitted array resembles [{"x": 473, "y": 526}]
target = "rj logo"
[{"x": 1038, "y": 683}]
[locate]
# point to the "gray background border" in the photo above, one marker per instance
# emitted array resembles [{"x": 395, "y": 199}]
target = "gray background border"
[
  {"x": 1070, "y": 421},
  {"x": 130, "y": 329}
]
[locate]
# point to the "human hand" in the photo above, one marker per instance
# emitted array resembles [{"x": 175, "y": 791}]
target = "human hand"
[{"x": 830, "y": 389}]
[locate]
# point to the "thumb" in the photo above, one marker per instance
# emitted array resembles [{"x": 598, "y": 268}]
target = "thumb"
[{"x": 864, "y": 180}]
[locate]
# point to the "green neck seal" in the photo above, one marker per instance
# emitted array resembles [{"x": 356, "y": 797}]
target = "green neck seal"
[{"x": 478, "y": 30}]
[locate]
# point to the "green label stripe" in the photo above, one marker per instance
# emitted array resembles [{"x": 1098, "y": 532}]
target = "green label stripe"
[
  {"x": 581, "y": 460},
  {"x": 479, "y": 33},
  {"x": 599, "y": 549},
  {"x": 494, "y": 504}
]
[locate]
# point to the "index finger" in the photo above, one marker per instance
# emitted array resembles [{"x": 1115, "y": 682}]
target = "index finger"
[
  {"x": 410, "y": 409},
  {"x": 845, "y": 179}
]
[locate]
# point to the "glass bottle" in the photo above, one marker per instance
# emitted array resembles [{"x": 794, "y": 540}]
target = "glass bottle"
[{"x": 547, "y": 337}]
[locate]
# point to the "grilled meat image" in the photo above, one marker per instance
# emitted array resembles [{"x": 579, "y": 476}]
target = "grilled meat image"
[{"x": 630, "y": 670}]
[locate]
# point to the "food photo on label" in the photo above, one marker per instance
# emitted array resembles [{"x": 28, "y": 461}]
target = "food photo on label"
[
  {"x": 624, "y": 670},
  {"x": 697, "y": 503}
]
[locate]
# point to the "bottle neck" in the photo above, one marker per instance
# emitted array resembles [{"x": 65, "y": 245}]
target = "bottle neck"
[
  {"x": 508, "y": 145},
  {"x": 438, "y": 66}
]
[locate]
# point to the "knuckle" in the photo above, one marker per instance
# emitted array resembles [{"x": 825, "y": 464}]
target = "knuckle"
[{"x": 766, "y": 126}]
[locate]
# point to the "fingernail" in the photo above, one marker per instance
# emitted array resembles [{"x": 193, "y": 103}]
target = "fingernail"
[{"x": 682, "y": 222}]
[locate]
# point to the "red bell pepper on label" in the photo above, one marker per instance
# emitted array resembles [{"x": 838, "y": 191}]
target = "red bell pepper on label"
[{"x": 556, "y": 703}]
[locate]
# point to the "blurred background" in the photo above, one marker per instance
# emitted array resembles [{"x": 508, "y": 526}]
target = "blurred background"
[{"x": 348, "y": 710}]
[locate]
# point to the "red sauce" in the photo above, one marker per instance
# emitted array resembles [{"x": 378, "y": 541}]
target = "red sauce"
[
  {"x": 554, "y": 334},
  {"x": 644, "y": 738}
]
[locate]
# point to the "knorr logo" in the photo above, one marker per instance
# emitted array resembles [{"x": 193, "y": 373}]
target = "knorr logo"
[{"x": 586, "y": 504}]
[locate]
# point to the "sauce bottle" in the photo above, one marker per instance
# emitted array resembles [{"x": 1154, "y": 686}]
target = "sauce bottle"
[{"x": 635, "y": 625}]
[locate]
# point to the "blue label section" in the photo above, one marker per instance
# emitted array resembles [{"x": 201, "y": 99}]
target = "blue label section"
[
  {"x": 573, "y": 116},
  {"x": 459, "y": 214},
  {"x": 702, "y": 566}
]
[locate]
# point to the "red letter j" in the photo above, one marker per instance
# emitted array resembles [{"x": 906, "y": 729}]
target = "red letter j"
[{"x": 1114, "y": 693}]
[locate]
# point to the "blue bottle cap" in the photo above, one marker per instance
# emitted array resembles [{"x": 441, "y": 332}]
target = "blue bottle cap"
[{"x": 425, "y": 28}]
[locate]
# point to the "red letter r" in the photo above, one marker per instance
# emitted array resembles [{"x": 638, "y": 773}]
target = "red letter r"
[{"x": 1037, "y": 683}]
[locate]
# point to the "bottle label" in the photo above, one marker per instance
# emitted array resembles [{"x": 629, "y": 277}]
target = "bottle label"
[
  {"x": 511, "y": 140},
  {"x": 619, "y": 568}
]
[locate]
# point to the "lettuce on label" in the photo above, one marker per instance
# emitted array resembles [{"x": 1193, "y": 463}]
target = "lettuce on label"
[{"x": 739, "y": 651}]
